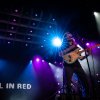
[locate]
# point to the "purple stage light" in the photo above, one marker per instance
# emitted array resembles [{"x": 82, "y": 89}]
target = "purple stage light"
[
  {"x": 57, "y": 69},
  {"x": 97, "y": 74},
  {"x": 37, "y": 59},
  {"x": 55, "y": 62},
  {"x": 42, "y": 60},
  {"x": 57, "y": 76},
  {"x": 59, "y": 92},
  {"x": 60, "y": 63},
  {"x": 49, "y": 63},
  {"x": 87, "y": 44}
]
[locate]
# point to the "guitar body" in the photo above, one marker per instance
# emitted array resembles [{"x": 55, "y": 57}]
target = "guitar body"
[{"x": 72, "y": 57}]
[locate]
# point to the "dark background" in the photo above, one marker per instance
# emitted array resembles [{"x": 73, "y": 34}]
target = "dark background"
[{"x": 75, "y": 16}]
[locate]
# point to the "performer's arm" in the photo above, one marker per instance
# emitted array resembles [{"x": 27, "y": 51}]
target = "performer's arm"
[{"x": 66, "y": 50}]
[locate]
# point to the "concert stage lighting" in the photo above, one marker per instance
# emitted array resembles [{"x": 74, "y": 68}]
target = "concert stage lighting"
[
  {"x": 31, "y": 31},
  {"x": 55, "y": 62},
  {"x": 26, "y": 44},
  {"x": 53, "y": 19},
  {"x": 58, "y": 83},
  {"x": 36, "y": 15},
  {"x": 60, "y": 63},
  {"x": 44, "y": 40},
  {"x": 37, "y": 59},
  {"x": 16, "y": 10},
  {"x": 97, "y": 18},
  {"x": 57, "y": 42},
  {"x": 47, "y": 33},
  {"x": 41, "y": 46},
  {"x": 96, "y": 14},
  {"x": 59, "y": 92},
  {"x": 42, "y": 60},
  {"x": 58, "y": 73},
  {"x": 30, "y": 61},
  {"x": 9, "y": 42},
  {"x": 49, "y": 63},
  {"x": 10, "y": 34},
  {"x": 98, "y": 47},
  {"x": 14, "y": 20},
  {"x": 87, "y": 44}
]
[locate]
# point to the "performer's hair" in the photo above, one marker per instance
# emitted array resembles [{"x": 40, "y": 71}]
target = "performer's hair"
[{"x": 68, "y": 34}]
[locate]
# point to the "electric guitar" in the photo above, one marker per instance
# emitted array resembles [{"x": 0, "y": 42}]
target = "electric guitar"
[{"x": 73, "y": 56}]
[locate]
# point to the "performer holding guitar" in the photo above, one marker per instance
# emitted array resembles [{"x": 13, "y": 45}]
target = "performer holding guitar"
[{"x": 71, "y": 64}]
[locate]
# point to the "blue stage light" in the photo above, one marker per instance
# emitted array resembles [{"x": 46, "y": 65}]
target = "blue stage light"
[
  {"x": 30, "y": 61},
  {"x": 57, "y": 42}
]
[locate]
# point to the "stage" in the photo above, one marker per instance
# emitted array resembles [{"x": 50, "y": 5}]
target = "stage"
[{"x": 34, "y": 46}]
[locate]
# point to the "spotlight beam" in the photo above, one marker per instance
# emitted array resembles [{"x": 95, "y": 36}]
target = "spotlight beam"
[
  {"x": 57, "y": 42},
  {"x": 96, "y": 14},
  {"x": 97, "y": 18}
]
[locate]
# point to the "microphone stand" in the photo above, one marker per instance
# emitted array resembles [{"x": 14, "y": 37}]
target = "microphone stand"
[{"x": 90, "y": 75}]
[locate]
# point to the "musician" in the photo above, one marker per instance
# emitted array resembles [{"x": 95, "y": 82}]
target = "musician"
[{"x": 74, "y": 67}]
